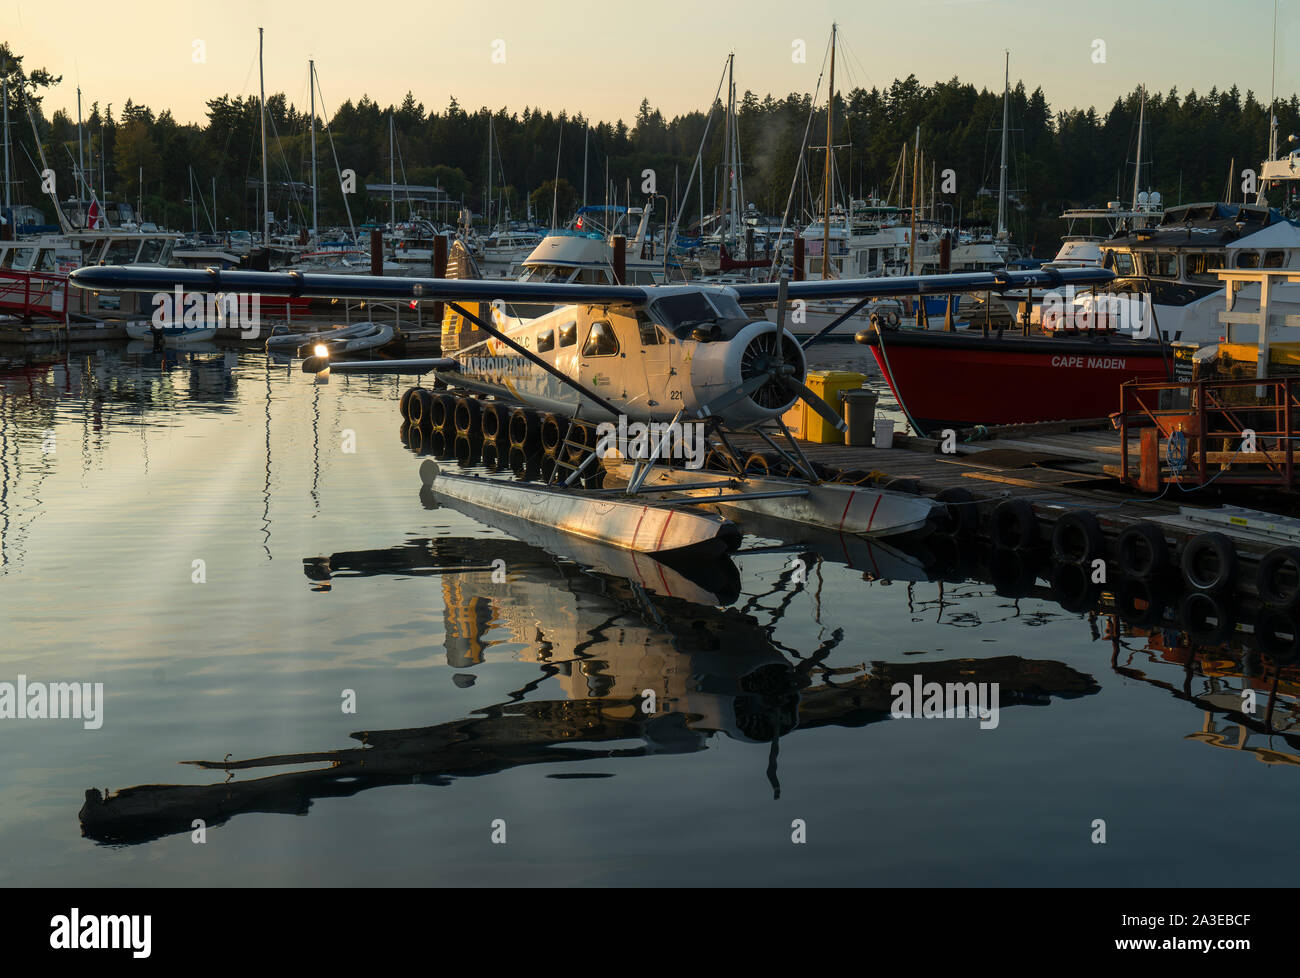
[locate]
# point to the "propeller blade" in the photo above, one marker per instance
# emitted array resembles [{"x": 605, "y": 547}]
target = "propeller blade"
[
  {"x": 728, "y": 398},
  {"x": 816, "y": 403},
  {"x": 781, "y": 290}
]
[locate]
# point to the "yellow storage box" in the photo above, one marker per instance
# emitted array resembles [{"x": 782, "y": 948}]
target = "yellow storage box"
[{"x": 808, "y": 425}]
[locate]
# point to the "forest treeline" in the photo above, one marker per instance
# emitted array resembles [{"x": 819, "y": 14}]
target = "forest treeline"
[{"x": 1059, "y": 158}]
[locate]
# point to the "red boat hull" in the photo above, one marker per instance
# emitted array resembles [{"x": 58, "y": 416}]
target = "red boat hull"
[{"x": 951, "y": 380}]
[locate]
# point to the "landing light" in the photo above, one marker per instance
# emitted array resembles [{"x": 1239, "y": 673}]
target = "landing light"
[{"x": 321, "y": 350}]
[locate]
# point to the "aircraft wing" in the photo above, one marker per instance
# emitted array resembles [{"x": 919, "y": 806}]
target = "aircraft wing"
[
  {"x": 904, "y": 285},
  {"x": 138, "y": 278}
]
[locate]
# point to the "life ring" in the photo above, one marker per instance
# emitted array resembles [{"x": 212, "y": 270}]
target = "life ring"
[
  {"x": 1278, "y": 578},
  {"x": 1206, "y": 617},
  {"x": 1141, "y": 551},
  {"x": 1077, "y": 538},
  {"x": 1209, "y": 563},
  {"x": 1014, "y": 525}
]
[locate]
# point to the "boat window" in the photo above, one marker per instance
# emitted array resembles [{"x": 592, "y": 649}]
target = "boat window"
[
  {"x": 1201, "y": 265},
  {"x": 640, "y": 277},
  {"x": 23, "y": 258},
  {"x": 121, "y": 252},
  {"x": 1122, "y": 262},
  {"x": 601, "y": 341},
  {"x": 1160, "y": 264},
  {"x": 47, "y": 261},
  {"x": 650, "y": 335},
  {"x": 1248, "y": 259},
  {"x": 151, "y": 250},
  {"x": 1274, "y": 259},
  {"x": 546, "y": 341},
  {"x": 568, "y": 333}
]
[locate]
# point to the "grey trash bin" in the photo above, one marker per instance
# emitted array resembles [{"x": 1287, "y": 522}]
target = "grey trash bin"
[{"x": 859, "y": 416}]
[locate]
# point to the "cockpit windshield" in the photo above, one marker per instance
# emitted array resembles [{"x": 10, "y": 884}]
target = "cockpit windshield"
[{"x": 684, "y": 311}]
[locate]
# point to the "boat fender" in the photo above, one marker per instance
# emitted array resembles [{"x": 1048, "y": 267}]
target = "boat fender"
[
  {"x": 403, "y": 405},
  {"x": 1141, "y": 551},
  {"x": 442, "y": 413},
  {"x": 1278, "y": 578},
  {"x": 1209, "y": 563},
  {"x": 420, "y": 408},
  {"x": 495, "y": 423},
  {"x": 1072, "y": 586},
  {"x": 526, "y": 431},
  {"x": 1140, "y": 602},
  {"x": 1206, "y": 617},
  {"x": 961, "y": 516},
  {"x": 1278, "y": 635},
  {"x": 491, "y": 456},
  {"x": 467, "y": 414},
  {"x": 910, "y": 486},
  {"x": 1014, "y": 525},
  {"x": 467, "y": 450},
  {"x": 1077, "y": 538},
  {"x": 554, "y": 430},
  {"x": 1013, "y": 572}
]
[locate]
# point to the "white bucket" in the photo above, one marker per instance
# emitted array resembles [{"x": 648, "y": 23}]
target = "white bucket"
[{"x": 884, "y": 432}]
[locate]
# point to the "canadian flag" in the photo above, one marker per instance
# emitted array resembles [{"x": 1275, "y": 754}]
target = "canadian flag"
[{"x": 93, "y": 218}]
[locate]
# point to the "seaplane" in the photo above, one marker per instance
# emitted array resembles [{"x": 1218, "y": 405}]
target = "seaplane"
[{"x": 608, "y": 358}]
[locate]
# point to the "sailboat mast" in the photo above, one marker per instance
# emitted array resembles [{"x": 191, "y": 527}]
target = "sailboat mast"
[
  {"x": 1002, "y": 177},
  {"x": 81, "y": 153},
  {"x": 489, "y": 182},
  {"x": 392, "y": 178},
  {"x": 586, "y": 136},
  {"x": 1137, "y": 167},
  {"x": 4, "y": 85},
  {"x": 916, "y": 169},
  {"x": 266, "y": 199},
  {"x": 311, "y": 83},
  {"x": 826, "y": 192}
]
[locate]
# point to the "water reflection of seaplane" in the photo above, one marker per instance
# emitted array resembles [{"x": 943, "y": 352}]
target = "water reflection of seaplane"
[
  {"x": 667, "y": 356},
  {"x": 599, "y": 641}
]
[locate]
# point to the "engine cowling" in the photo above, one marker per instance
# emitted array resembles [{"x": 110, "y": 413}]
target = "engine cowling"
[{"x": 721, "y": 366}]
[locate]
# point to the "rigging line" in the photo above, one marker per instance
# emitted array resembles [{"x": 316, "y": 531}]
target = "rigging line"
[
  {"x": 337, "y": 169},
  {"x": 803, "y": 149},
  {"x": 293, "y": 186},
  {"x": 699, "y": 164}
]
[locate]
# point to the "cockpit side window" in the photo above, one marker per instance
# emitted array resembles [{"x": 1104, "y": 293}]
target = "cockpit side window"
[
  {"x": 650, "y": 335},
  {"x": 601, "y": 341}
]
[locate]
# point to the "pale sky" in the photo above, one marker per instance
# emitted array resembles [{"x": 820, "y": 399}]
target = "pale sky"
[{"x": 602, "y": 58}]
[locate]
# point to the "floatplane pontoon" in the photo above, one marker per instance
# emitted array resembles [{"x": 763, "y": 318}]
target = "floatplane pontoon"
[{"x": 664, "y": 357}]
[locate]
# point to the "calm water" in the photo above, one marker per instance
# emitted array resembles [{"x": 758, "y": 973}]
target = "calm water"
[{"x": 520, "y": 700}]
